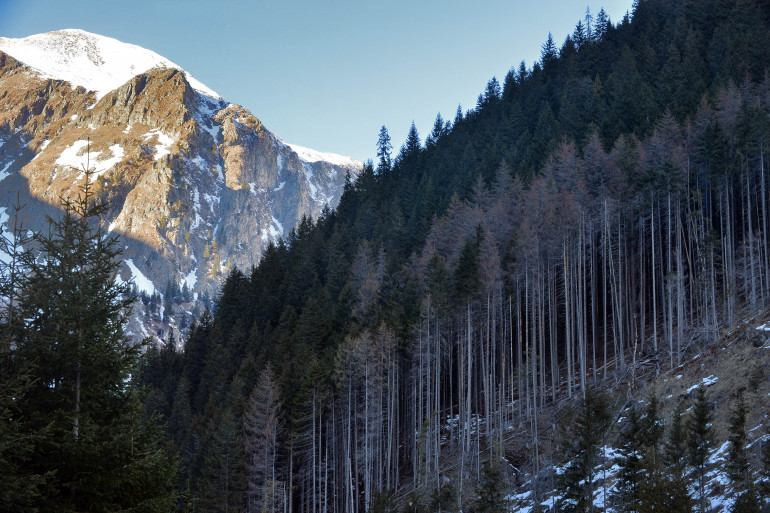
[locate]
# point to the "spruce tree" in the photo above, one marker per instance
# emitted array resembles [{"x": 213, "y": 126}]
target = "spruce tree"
[
  {"x": 491, "y": 492},
  {"x": 261, "y": 425},
  {"x": 102, "y": 452},
  {"x": 699, "y": 442},
  {"x": 411, "y": 147},
  {"x": 439, "y": 129},
  {"x": 631, "y": 462},
  {"x": 676, "y": 457},
  {"x": 383, "y": 151},
  {"x": 20, "y": 488},
  {"x": 738, "y": 462},
  {"x": 581, "y": 453},
  {"x": 220, "y": 481},
  {"x": 653, "y": 489}
]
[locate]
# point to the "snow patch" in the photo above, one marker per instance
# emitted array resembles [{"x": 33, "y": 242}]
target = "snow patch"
[
  {"x": 72, "y": 155},
  {"x": 102, "y": 166},
  {"x": 43, "y": 146},
  {"x": 204, "y": 113},
  {"x": 4, "y": 217},
  {"x": 196, "y": 208},
  {"x": 272, "y": 232},
  {"x": 719, "y": 454},
  {"x": 4, "y": 172},
  {"x": 141, "y": 281},
  {"x": 276, "y": 228},
  {"x": 165, "y": 141},
  {"x": 191, "y": 279},
  {"x": 707, "y": 382},
  {"x": 98, "y": 63},
  {"x": 200, "y": 163},
  {"x": 309, "y": 155},
  {"x": 311, "y": 186}
]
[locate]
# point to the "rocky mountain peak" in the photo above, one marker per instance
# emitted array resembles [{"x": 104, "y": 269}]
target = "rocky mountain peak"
[
  {"x": 196, "y": 185},
  {"x": 95, "y": 62}
]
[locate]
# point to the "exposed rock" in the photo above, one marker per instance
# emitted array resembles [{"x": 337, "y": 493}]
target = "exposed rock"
[{"x": 196, "y": 184}]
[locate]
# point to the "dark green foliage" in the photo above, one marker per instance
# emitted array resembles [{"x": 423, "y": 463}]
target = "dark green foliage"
[
  {"x": 699, "y": 441},
  {"x": 411, "y": 148},
  {"x": 764, "y": 450},
  {"x": 220, "y": 481},
  {"x": 20, "y": 488},
  {"x": 382, "y": 502},
  {"x": 491, "y": 490},
  {"x": 87, "y": 438},
  {"x": 738, "y": 461},
  {"x": 641, "y": 486},
  {"x": 581, "y": 452},
  {"x": 383, "y": 151},
  {"x": 675, "y": 457},
  {"x": 633, "y": 467},
  {"x": 747, "y": 502},
  {"x": 443, "y": 499},
  {"x": 466, "y": 276}
]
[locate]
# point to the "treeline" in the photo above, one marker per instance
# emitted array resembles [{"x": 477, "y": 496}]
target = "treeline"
[{"x": 606, "y": 206}]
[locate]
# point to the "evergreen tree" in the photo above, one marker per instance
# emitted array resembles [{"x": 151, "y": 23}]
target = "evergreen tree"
[
  {"x": 411, "y": 147},
  {"x": 738, "y": 461},
  {"x": 466, "y": 276},
  {"x": 458, "y": 115},
  {"x": 220, "y": 480},
  {"x": 101, "y": 452},
  {"x": 491, "y": 491},
  {"x": 581, "y": 453},
  {"x": 764, "y": 485},
  {"x": 549, "y": 54},
  {"x": 261, "y": 425},
  {"x": 640, "y": 484},
  {"x": 600, "y": 29},
  {"x": 699, "y": 442},
  {"x": 439, "y": 129},
  {"x": 631, "y": 462},
  {"x": 19, "y": 487},
  {"x": 675, "y": 457},
  {"x": 384, "y": 148}
]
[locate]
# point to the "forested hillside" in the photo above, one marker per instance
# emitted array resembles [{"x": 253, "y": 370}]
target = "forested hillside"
[{"x": 606, "y": 207}]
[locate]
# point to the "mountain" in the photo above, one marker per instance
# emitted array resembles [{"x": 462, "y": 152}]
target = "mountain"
[{"x": 197, "y": 185}]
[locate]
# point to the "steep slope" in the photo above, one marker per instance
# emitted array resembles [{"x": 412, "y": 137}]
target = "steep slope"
[
  {"x": 587, "y": 224},
  {"x": 197, "y": 185}
]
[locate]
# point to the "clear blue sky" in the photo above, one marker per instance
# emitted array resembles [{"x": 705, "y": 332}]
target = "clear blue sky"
[{"x": 328, "y": 73}]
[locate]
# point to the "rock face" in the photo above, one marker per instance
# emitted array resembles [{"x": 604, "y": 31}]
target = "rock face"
[{"x": 197, "y": 185}]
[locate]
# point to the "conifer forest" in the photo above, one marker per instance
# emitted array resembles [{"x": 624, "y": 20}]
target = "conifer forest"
[{"x": 474, "y": 328}]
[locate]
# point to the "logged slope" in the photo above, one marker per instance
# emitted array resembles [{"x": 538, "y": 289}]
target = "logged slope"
[
  {"x": 197, "y": 185},
  {"x": 614, "y": 232}
]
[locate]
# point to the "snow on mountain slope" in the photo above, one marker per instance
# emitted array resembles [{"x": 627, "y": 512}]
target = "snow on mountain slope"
[
  {"x": 196, "y": 184},
  {"x": 310, "y": 155},
  {"x": 98, "y": 63}
]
